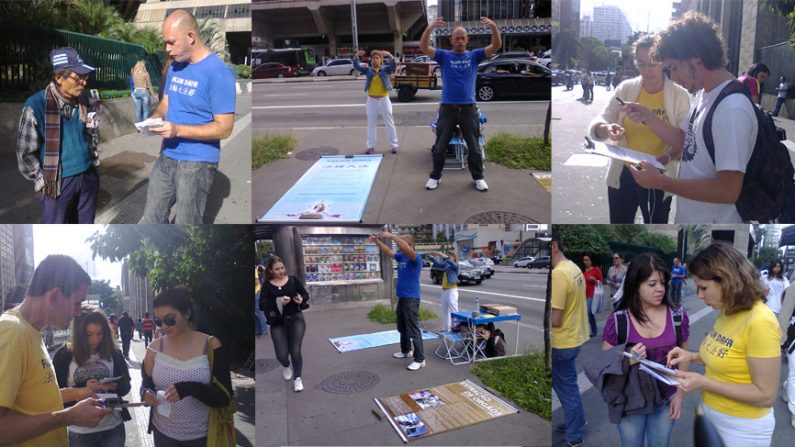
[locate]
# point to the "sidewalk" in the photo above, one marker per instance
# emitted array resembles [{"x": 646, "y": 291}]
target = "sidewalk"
[
  {"x": 318, "y": 417},
  {"x": 398, "y": 193},
  {"x": 126, "y": 163}
]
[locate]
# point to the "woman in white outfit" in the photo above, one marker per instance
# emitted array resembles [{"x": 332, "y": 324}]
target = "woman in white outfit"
[
  {"x": 776, "y": 284},
  {"x": 377, "y": 85},
  {"x": 449, "y": 265}
]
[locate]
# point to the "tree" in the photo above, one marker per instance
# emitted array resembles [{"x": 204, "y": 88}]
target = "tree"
[
  {"x": 93, "y": 17},
  {"x": 213, "y": 36},
  {"x": 107, "y": 294},
  {"x": 698, "y": 238},
  {"x": 46, "y": 13},
  {"x": 213, "y": 261},
  {"x": 547, "y": 124},
  {"x": 766, "y": 254},
  {"x": 784, "y": 8},
  {"x": 567, "y": 49}
]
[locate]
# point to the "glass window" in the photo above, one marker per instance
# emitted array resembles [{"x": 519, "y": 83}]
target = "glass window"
[{"x": 238, "y": 11}]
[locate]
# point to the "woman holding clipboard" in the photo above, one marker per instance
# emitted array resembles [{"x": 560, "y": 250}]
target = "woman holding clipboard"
[
  {"x": 647, "y": 321},
  {"x": 669, "y": 104},
  {"x": 741, "y": 353},
  {"x": 92, "y": 365}
]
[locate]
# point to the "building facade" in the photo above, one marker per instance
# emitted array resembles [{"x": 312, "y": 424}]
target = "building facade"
[
  {"x": 137, "y": 294},
  {"x": 610, "y": 25},
  {"x": 7, "y": 261}
]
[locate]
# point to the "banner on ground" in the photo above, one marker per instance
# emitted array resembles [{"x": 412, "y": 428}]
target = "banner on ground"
[
  {"x": 422, "y": 413},
  {"x": 374, "y": 340},
  {"x": 334, "y": 189}
]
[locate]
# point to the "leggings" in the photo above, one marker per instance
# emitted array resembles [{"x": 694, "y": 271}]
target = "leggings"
[{"x": 287, "y": 339}]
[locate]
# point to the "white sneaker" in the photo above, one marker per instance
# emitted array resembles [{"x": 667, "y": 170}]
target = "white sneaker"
[
  {"x": 287, "y": 373},
  {"x": 481, "y": 185},
  {"x": 400, "y": 355},
  {"x": 415, "y": 366},
  {"x": 431, "y": 184},
  {"x": 298, "y": 385}
]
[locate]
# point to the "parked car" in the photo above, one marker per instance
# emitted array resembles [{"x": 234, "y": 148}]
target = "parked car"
[
  {"x": 513, "y": 55},
  {"x": 335, "y": 67},
  {"x": 423, "y": 60},
  {"x": 467, "y": 273},
  {"x": 523, "y": 262},
  {"x": 541, "y": 262},
  {"x": 545, "y": 59},
  {"x": 272, "y": 70},
  {"x": 513, "y": 78},
  {"x": 486, "y": 264}
]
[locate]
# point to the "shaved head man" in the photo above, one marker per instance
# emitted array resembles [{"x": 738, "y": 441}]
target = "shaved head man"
[
  {"x": 197, "y": 109},
  {"x": 459, "y": 72}
]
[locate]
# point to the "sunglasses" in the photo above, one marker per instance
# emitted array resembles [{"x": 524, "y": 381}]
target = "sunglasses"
[
  {"x": 79, "y": 78},
  {"x": 168, "y": 320}
]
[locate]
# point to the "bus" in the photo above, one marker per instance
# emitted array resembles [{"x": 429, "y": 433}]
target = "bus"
[{"x": 301, "y": 60}]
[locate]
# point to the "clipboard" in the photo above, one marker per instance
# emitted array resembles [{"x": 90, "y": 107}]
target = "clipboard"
[{"x": 624, "y": 154}]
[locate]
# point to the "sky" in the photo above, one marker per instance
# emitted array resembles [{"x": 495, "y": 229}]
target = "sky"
[
  {"x": 654, "y": 14},
  {"x": 71, "y": 240}
]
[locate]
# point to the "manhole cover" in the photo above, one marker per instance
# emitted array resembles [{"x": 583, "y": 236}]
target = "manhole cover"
[
  {"x": 316, "y": 152},
  {"x": 499, "y": 217},
  {"x": 266, "y": 365},
  {"x": 103, "y": 198},
  {"x": 349, "y": 382}
]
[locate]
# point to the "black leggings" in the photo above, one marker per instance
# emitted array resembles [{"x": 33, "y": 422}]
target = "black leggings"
[{"x": 287, "y": 339}]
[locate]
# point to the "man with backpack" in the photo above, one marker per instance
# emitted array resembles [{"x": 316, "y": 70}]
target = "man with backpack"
[{"x": 733, "y": 167}]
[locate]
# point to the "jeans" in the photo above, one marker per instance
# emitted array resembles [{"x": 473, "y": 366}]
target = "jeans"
[
  {"x": 466, "y": 117},
  {"x": 141, "y": 97},
  {"x": 564, "y": 382},
  {"x": 383, "y": 107},
  {"x": 625, "y": 200},
  {"x": 655, "y": 428},
  {"x": 147, "y": 338},
  {"x": 779, "y": 102},
  {"x": 77, "y": 202},
  {"x": 676, "y": 292},
  {"x": 162, "y": 440},
  {"x": 260, "y": 323},
  {"x": 408, "y": 324},
  {"x": 125, "y": 345},
  {"x": 591, "y": 317},
  {"x": 185, "y": 184},
  {"x": 115, "y": 437},
  {"x": 287, "y": 339}
]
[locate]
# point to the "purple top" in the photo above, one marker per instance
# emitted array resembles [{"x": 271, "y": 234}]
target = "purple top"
[{"x": 656, "y": 348}]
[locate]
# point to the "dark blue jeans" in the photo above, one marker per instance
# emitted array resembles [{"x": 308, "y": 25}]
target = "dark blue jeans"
[
  {"x": 77, "y": 202},
  {"x": 655, "y": 428},
  {"x": 676, "y": 291},
  {"x": 466, "y": 117},
  {"x": 408, "y": 324},
  {"x": 564, "y": 382},
  {"x": 184, "y": 184},
  {"x": 115, "y": 437},
  {"x": 625, "y": 200}
]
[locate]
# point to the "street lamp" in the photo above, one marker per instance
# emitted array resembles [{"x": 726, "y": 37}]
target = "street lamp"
[{"x": 354, "y": 30}]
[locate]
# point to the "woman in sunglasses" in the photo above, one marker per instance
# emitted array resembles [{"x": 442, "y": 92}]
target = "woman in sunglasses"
[
  {"x": 84, "y": 368},
  {"x": 178, "y": 379},
  {"x": 282, "y": 298}
]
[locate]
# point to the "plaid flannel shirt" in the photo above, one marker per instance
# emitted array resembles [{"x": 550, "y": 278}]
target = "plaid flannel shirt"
[{"x": 28, "y": 148}]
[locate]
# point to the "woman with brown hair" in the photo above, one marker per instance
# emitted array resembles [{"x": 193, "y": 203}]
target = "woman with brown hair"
[
  {"x": 741, "y": 352},
  {"x": 143, "y": 91},
  {"x": 92, "y": 365},
  {"x": 282, "y": 298}
]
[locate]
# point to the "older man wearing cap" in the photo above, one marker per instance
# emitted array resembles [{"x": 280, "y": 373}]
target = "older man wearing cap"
[
  {"x": 197, "y": 109},
  {"x": 56, "y": 143}
]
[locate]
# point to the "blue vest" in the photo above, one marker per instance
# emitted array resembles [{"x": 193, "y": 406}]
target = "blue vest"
[{"x": 74, "y": 141}]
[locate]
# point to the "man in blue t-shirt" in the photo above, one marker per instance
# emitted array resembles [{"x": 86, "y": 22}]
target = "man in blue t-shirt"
[
  {"x": 198, "y": 109},
  {"x": 408, "y": 293},
  {"x": 459, "y": 72},
  {"x": 678, "y": 277}
]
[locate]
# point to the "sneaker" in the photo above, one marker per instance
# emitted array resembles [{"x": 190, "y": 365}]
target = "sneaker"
[
  {"x": 792, "y": 420},
  {"x": 576, "y": 443},
  {"x": 298, "y": 385},
  {"x": 415, "y": 366},
  {"x": 481, "y": 185},
  {"x": 287, "y": 373},
  {"x": 561, "y": 428},
  {"x": 431, "y": 184},
  {"x": 400, "y": 355},
  {"x": 395, "y": 150},
  {"x": 369, "y": 151}
]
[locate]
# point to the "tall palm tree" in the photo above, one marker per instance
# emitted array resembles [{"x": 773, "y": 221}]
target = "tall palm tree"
[{"x": 212, "y": 34}]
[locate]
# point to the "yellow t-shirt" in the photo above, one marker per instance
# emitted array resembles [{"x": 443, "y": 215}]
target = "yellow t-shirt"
[
  {"x": 568, "y": 295},
  {"x": 753, "y": 333},
  {"x": 639, "y": 136},
  {"x": 27, "y": 377},
  {"x": 376, "y": 86},
  {"x": 445, "y": 285}
]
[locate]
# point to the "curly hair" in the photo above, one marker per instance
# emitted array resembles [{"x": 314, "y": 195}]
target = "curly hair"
[
  {"x": 739, "y": 281},
  {"x": 273, "y": 260},
  {"x": 178, "y": 298},
  {"x": 773, "y": 263},
  {"x": 78, "y": 343},
  {"x": 694, "y": 35},
  {"x": 643, "y": 266}
]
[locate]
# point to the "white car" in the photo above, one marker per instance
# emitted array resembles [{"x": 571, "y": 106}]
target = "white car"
[
  {"x": 545, "y": 59},
  {"x": 523, "y": 262},
  {"x": 335, "y": 67}
]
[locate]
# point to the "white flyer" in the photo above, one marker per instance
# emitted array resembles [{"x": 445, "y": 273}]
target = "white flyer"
[
  {"x": 624, "y": 154},
  {"x": 144, "y": 125}
]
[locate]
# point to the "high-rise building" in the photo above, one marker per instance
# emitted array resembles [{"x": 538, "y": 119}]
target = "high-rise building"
[
  {"x": 8, "y": 278},
  {"x": 137, "y": 294},
  {"x": 566, "y": 17},
  {"x": 611, "y": 26},
  {"x": 23, "y": 253},
  {"x": 586, "y": 27}
]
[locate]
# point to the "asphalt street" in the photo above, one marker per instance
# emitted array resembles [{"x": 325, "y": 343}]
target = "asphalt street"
[
  {"x": 324, "y": 415},
  {"x": 600, "y": 432},
  {"x": 328, "y": 115}
]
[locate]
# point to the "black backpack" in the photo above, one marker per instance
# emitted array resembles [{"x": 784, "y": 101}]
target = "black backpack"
[
  {"x": 768, "y": 179},
  {"x": 622, "y": 324}
]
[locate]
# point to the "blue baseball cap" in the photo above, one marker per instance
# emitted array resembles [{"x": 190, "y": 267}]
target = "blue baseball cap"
[{"x": 67, "y": 57}]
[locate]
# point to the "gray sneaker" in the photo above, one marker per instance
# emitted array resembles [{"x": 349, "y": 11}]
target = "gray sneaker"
[
  {"x": 431, "y": 184},
  {"x": 413, "y": 366},
  {"x": 401, "y": 355}
]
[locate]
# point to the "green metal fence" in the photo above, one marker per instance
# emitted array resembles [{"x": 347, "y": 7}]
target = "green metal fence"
[{"x": 25, "y": 64}]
